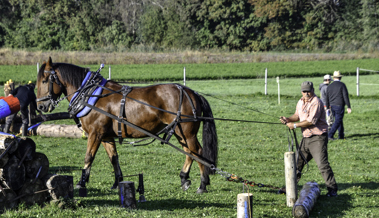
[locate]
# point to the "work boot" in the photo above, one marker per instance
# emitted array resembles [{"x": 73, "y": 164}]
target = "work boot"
[
  {"x": 6, "y": 128},
  {"x": 24, "y": 130}
]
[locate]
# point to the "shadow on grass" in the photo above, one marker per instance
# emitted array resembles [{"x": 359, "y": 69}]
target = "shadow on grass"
[
  {"x": 326, "y": 206},
  {"x": 63, "y": 169},
  {"x": 359, "y": 136}
]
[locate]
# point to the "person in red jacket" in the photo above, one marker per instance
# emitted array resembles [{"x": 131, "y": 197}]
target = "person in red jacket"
[
  {"x": 336, "y": 99},
  {"x": 26, "y": 96}
]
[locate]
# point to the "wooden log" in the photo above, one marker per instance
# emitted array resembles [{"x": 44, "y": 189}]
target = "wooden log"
[
  {"x": 4, "y": 159},
  {"x": 67, "y": 131},
  {"x": 7, "y": 201},
  {"x": 33, "y": 192},
  {"x": 26, "y": 149},
  {"x": 59, "y": 186},
  {"x": 127, "y": 194},
  {"x": 307, "y": 199},
  {"x": 13, "y": 174},
  {"x": 245, "y": 205},
  {"x": 290, "y": 174},
  {"x": 9, "y": 143},
  {"x": 39, "y": 165}
]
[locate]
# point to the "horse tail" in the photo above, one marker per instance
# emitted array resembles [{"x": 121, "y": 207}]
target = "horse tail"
[{"x": 210, "y": 144}]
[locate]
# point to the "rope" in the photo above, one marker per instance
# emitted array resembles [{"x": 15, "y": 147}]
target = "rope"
[{"x": 255, "y": 110}]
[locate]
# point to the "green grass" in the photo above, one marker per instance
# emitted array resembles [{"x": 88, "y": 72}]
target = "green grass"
[
  {"x": 250, "y": 150},
  {"x": 172, "y": 72}
]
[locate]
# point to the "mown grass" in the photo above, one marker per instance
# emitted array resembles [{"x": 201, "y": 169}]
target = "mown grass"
[
  {"x": 250, "y": 150},
  {"x": 174, "y": 72}
]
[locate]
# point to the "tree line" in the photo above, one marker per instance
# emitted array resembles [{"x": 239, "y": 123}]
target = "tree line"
[{"x": 242, "y": 25}]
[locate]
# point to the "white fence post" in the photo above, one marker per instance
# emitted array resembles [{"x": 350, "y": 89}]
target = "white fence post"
[
  {"x": 357, "y": 81},
  {"x": 184, "y": 76},
  {"x": 37, "y": 67},
  {"x": 266, "y": 81},
  {"x": 109, "y": 72},
  {"x": 277, "y": 80}
]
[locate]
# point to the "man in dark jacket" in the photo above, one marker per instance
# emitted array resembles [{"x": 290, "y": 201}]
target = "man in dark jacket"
[
  {"x": 337, "y": 98},
  {"x": 26, "y": 96}
]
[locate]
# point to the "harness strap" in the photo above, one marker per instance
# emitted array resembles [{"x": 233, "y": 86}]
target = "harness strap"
[
  {"x": 125, "y": 90},
  {"x": 199, "y": 158}
]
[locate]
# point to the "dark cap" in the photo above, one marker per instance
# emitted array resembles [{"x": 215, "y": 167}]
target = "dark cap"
[{"x": 306, "y": 86}]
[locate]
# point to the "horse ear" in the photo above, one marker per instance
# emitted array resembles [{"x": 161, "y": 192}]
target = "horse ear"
[{"x": 50, "y": 62}]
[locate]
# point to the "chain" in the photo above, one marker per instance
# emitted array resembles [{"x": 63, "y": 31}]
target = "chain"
[{"x": 234, "y": 178}]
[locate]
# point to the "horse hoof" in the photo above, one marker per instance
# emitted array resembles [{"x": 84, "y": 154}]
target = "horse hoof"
[
  {"x": 186, "y": 185},
  {"x": 114, "y": 187},
  {"x": 201, "y": 191}
]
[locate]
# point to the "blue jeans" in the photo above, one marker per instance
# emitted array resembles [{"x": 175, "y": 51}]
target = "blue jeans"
[{"x": 338, "y": 113}]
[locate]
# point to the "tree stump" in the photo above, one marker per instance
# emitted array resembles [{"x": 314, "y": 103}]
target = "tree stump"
[
  {"x": 60, "y": 186},
  {"x": 13, "y": 175},
  {"x": 7, "y": 201},
  {"x": 38, "y": 165},
  {"x": 26, "y": 149},
  {"x": 33, "y": 192},
  {"x": 4, "y": 159},
  {"x": 8, "y": 141}
]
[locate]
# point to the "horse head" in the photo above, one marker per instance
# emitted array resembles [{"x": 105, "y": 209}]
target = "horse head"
[{"x": 50, "y": 87}]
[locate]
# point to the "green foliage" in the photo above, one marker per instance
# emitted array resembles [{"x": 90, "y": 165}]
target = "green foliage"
[{"x": 253, "y": 25}]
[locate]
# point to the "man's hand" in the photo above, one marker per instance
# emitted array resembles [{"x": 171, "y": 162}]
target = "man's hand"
[
  {"x": 284, "y": 120},
  {"x": 290, "y": 125},
  {"x": 349, "y": 110}
]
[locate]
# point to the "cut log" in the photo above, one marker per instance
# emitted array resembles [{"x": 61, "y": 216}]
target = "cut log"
[
  {"x": 7, "y": 201},
  {"x": 38, "y": 165},
  {"x": 8, "y": 142},
  {"x": 307, "y": 199},
  {"x": 33, "y": 192},
  {"x": 59, "y": 186},
  {"x": 51, "y": 130},
  {"x": 4, "y": 159},
  {"x": 127, "y": 194},
  {"x": 13, "y": 175},
  {"x": 26, "y": 149}
]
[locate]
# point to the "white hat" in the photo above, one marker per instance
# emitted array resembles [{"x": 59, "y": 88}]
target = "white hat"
[
  {"x": 327, "y": 76},
  {"x": 337, "y": 74}
]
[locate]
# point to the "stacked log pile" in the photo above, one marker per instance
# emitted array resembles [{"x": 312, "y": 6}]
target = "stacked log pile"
[{"x": 24, "y": 175}]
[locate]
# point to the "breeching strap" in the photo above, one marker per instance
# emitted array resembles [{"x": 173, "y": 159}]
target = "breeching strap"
[{"x": 197, "y": 158}]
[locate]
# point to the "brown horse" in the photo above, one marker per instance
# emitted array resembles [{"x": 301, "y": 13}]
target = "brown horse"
[{"x": 150, "y": 108}]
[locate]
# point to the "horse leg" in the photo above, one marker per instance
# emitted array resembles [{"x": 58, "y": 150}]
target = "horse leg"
[
  {"x": 184, "y": 174},
  {"x": 110, "y": 147},
  {"x": 192, "y": 145},
  {"x": 93, "y": 144}
]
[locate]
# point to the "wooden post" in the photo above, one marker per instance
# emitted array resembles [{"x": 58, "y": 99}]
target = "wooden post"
[
  {"x": 306, "y": 201},
  {"x": 277, "y": 80},
  {"x": 357, "y": 81},
  {"x": 290, "y": 174},
  {"x": 184, "y": 76},
  {"x": 245, "y": 205},
  {"x": 109, "y": 72},
  {"x": 127, "y": 194},
  {"x": 266, "y": 81}
]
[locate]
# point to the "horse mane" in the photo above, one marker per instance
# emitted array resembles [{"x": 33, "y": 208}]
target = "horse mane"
[{"x": 70, "y": 73}]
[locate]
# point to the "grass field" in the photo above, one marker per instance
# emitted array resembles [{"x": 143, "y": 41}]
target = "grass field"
[
  {"x": 174, "y": 72},
  {"x": 250, "y": 150}
]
